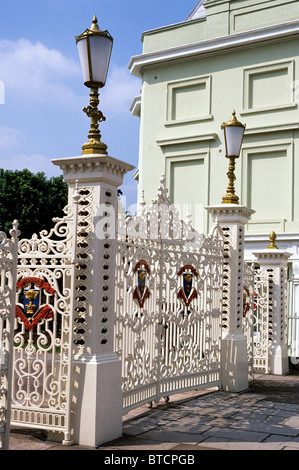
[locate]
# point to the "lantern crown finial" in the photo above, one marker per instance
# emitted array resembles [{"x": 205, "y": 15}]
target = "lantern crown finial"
[
  {"x": 233, "y": 122},
  {"x": 94, "y": 25}
]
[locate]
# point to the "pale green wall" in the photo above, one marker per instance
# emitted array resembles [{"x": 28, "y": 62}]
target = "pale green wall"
[
  {"x": 184, "y": 104},
  {"x": 224, "y": 17},
  {"x": 174, "y": 35}
]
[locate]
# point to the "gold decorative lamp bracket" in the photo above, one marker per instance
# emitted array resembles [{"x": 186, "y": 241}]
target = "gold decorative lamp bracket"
[
  {"x": 94, "y": 47},
  {"x": 233, "y": 132}
]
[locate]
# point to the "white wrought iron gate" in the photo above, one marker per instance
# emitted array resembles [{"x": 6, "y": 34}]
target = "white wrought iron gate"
[
  {"x": 248, "y": 313},
  {"x": 262, "y": 321},
  {"x": 168, "y": 305},
  {"x": 43, "y": 329},
  {"x": 257, "y": 317}
]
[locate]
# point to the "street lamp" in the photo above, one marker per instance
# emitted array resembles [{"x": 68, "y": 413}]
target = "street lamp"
[
  {"x": 233, "y": 132},
  {"x": 94, "y": 47}
]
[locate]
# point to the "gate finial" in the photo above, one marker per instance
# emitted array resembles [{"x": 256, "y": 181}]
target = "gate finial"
[
  {"x": 272, "y": 238},
  {"x": 162, "y": 196}
]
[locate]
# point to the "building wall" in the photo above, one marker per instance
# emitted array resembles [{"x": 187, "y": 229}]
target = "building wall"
[
  {"x": 187, "y": 95},
  {"x": 243, "y": 55}
]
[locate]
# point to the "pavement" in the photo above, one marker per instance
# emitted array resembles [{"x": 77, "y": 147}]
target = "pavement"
[{"x": 264, "y": 417}]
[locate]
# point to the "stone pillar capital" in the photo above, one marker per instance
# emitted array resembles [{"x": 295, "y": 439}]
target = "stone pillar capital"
[
  {"x": 272, "y": 257},
  {"x": 93, "y": 168},
  {"x": 230, "y": 213}
]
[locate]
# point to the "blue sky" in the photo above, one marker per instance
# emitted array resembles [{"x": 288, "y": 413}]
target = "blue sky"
[{"x": 41, "y": 86}]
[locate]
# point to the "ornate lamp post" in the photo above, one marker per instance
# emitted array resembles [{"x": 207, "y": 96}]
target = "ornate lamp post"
[
  {"x": 96, "y": 176},
  {"x": 233, "y": 132},
  {"x": 94, "y": 47}
]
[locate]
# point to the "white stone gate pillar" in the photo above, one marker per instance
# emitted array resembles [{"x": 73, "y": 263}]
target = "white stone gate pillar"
[
  {"x": 97, "y": 401},
  {"x": 234, "y": 361},
  {"x": 274, "y": 261},
  {"x": 294, "y": 313}
]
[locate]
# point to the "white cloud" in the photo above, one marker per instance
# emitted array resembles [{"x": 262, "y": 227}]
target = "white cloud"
[
  {"x": 10, "y": 138},
  {"x": 36, "y": 73},
  {"x": 121, "y": 87},
  {"x": 12, "y": 157},
  {"x": 34, "y": 163}
]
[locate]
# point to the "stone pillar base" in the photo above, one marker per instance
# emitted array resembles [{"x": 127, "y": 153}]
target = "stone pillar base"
[
  {"x": 279, "y": 360},
  {"x": 234, "y": 363},
  {"x": 98, "y": 401}
]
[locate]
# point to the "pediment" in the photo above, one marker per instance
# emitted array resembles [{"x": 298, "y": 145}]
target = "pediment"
[{"x": 198, "y": 11}]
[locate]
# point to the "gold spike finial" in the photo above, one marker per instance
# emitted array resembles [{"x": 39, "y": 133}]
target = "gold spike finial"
[
  {"x": 272, "y": 238},
  {"x": 94, "y": 26}
]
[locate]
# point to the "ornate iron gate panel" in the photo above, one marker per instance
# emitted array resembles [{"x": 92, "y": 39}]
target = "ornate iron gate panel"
[
  {"x": 8, "y": 271},
  {"x": 248, "y": 313},
  {"x": 168, "y": 304},
  {"x": 43, "y": 328},
  {"x": 262, "y": 321},
  {"x": 293, "y": 320}
]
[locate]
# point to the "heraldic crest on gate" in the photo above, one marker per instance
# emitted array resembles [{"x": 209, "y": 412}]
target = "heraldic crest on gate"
[
  {"x": 187, "y": 293},
  {"x": 168, "y": 303},
  {"x": 32, "y": 291}
]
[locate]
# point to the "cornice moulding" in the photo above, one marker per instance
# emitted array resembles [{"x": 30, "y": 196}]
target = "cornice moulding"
[
  {"x": 186, "y": 140},
  {"x": 274, "y": 128},
  {"x": 93, "y": 168},
  {"x": 225, "y": 44},
  {"x": 281, "y": 237},
  {"x": 271, "y": 256},
  {"x": 230, "y": 213}
]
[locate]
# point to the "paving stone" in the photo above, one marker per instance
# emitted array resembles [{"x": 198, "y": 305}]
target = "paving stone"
[
  {"x": 166, "y": 435},
  {"x": 287, "y": 407},
  {"x": 217, "y": 411},
  {"x": 236, "y": 434},
  {"x": 233, "y": 445},
  {"x": 191, "y": 425},
  {"x": 222, "y": 422},
  {"x": 139, "y": 426},
  {"x": 248, "y": 417},
  {"x": 275, "y": 438},
  {"x": 284, "y": 414},
  {"x": 292, "y": 422},
  {"x": 290, "y": 446},
  {"x": 268, "y": 428}
]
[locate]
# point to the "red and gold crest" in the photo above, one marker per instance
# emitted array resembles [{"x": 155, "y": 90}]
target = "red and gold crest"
[
  {"x": 32, "y": 311},
  {"x": 141, "y": 291},
  {"x": 187, "y": 293}
]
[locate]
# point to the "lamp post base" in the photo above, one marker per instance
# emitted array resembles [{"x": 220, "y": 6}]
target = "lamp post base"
[
  {"x": 230, "y": 199},
  {"x": 94, "y": 146}
]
